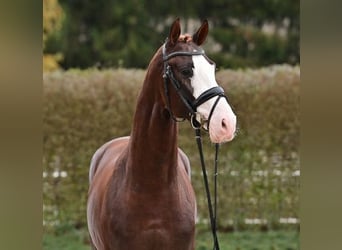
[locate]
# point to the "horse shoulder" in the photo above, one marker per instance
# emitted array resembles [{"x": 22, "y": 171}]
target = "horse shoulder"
[
  {"x": 107, "y": 152},
  {"x": 102, "y": 166}
]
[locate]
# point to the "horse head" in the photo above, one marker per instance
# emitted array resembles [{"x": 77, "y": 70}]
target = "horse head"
[{"x": 195, "y": 94}]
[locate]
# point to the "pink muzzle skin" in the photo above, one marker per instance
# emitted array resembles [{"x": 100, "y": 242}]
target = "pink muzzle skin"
[{"x": 223, "y": 123}]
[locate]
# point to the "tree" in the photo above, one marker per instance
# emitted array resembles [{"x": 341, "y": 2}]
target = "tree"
[
  {"x": 240, "y": 28},
  {"x": 52, "y": 23},
  {"x": 107, "y": 33}
]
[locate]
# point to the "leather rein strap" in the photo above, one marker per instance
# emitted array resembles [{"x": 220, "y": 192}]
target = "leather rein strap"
[
  {"x": 212, "y": 212},
  {"x": 192, "y": 107}
]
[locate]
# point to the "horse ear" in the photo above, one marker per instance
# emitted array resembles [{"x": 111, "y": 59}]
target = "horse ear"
[
  {"x": 201, "y": 34},
  {"x": 175, "y": 32}
]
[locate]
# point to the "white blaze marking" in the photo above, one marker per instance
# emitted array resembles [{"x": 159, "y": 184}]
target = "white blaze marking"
[
  {"x": 202, "y": 80},
  {"x": 204, "y": 75}
]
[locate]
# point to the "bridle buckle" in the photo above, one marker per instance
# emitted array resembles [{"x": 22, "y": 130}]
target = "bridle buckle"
[{"x": 197, "y": 122}]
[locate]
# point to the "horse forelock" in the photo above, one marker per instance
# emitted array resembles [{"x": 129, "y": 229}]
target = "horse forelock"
[{"x": 185, "y": 38}]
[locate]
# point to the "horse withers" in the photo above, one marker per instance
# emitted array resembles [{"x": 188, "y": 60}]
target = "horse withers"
[{"x": 140, "y": 195}]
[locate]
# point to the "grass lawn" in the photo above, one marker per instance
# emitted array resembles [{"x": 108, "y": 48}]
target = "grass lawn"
[{"x": 249, "y": 240}]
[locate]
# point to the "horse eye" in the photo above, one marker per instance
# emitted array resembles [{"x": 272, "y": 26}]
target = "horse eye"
[{"x": 187, "y": 72}]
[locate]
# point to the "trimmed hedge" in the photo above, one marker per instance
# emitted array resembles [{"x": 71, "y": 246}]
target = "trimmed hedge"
[{"x": 258, "y": 170}]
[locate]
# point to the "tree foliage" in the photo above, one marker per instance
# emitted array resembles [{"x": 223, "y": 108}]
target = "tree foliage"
[
  {"x": 52, "y": 17},
  {"x": 126, "y": 33},
  {"x": 52, "y": 23}
]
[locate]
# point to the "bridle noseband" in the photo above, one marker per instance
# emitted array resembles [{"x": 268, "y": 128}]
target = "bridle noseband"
[{"x": 191, "y": 105}]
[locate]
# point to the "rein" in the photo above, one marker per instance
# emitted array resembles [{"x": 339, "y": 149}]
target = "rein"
[
  {"x": 196, "y": 124},
  {"x": 212, "y": 212}
]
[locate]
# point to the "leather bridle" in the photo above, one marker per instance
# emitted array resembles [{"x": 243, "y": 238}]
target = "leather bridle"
[{"x": 191, "y": 105}]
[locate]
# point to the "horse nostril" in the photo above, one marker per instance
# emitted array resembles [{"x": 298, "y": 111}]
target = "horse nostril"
[{"x": 223, "y": 123}]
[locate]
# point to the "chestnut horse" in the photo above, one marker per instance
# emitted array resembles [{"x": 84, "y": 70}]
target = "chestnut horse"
[{"x": 140, "y": 194}]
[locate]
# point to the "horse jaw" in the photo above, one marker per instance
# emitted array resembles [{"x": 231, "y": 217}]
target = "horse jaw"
[{"x": 223, "y": 121}]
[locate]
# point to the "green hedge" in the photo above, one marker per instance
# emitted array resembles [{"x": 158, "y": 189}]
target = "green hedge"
[{"x": 258, "y": 171}]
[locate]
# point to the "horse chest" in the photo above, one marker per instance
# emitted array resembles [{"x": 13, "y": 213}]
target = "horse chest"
[{"x": 152, "y": 222}]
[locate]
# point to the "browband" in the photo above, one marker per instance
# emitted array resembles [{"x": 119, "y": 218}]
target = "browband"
[{"x": 181, "y": 53}]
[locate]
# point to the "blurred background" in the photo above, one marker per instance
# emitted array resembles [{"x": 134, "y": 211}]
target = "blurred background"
[
  {"x": 94, "y": 58},
  {"x": 108, "y": 33}
]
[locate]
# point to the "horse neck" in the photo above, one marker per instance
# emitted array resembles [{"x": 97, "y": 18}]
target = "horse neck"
[{"x": 152, "y": 154}]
